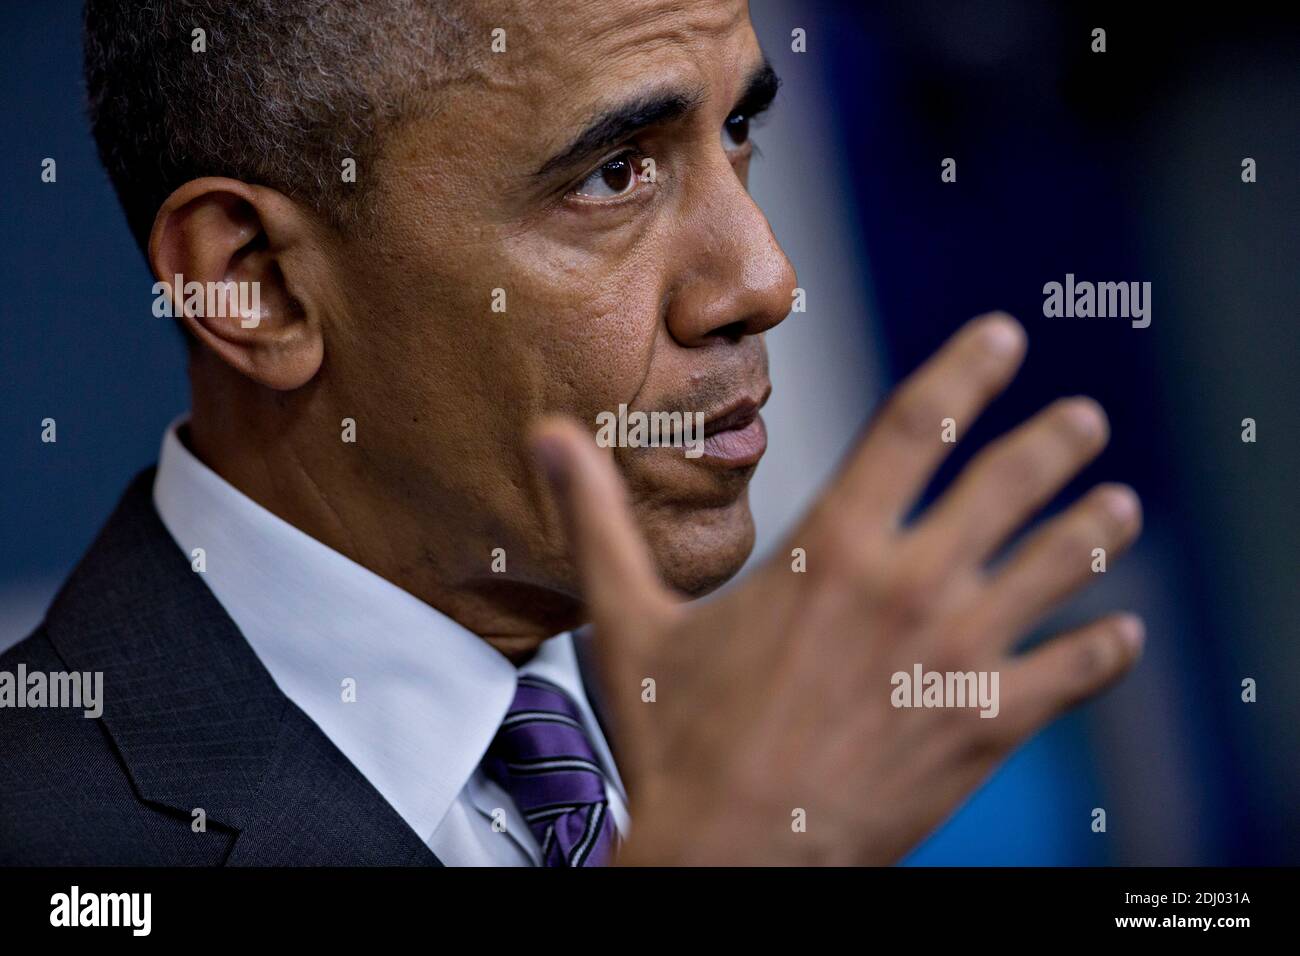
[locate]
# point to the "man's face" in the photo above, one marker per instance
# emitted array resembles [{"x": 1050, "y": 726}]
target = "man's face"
[{"x": 617, "y": 290}]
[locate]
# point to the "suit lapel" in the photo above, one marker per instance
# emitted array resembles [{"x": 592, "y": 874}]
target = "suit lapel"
[
  {"x": 197, "y": 719},
  {"x": 315, "y": 809}
]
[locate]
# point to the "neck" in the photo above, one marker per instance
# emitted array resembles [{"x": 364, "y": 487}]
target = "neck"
[{"x": 273, "y": 469}]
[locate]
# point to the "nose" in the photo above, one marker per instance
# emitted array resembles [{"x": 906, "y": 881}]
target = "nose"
[{"x": 735, "y": 280}]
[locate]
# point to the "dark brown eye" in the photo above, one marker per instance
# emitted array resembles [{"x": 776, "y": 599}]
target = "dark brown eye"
[
  {"x": 735, "y": 130},
  {"x": 611, "y": 179},
  {"x": 617, "y": 174}
]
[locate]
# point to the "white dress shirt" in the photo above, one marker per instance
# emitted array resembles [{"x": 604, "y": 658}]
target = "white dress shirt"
[{"x": 429, "y": 694}]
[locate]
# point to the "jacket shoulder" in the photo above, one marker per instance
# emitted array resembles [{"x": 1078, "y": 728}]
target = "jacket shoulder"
[{"x": 65, "y": 796}]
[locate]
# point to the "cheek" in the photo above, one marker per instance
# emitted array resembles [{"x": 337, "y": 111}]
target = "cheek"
[
  {"x": 573, "y": 328},
  {"x": 589, "y": 328}
]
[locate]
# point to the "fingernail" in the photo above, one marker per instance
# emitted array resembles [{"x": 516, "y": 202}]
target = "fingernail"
[
  {"x": 1086, "y": 417},
  {"x": 1122, "y": 504},
  {"x": 1001, "y": 335},
  {"x": 1132, "y": 631}
]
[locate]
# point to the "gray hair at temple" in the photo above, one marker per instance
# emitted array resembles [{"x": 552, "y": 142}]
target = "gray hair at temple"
[{"x": 284, "y": 92}]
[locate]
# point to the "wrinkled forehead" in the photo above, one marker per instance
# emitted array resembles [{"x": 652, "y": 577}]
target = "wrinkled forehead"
[
  {"x": 566, "y": 58},
  {"x": 557, "y": 66}
]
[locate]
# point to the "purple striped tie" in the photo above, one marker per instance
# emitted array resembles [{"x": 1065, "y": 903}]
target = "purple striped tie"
[{"x": 541, "y": 756}]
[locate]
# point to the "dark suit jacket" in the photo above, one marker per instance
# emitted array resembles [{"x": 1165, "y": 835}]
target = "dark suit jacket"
[{"x": 191, "y": 719}]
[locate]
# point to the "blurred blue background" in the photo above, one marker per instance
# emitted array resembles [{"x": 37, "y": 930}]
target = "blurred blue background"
[{"x": 1122, "y": 166}]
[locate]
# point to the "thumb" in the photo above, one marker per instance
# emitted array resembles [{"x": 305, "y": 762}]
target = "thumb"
[{"x": 621, "y": 585}]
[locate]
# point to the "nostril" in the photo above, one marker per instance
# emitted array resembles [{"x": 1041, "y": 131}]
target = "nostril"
[{"x": 735, "y": 331}]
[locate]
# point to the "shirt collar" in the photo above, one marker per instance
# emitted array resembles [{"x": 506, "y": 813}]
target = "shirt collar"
[{"x": 429, "y": 694}]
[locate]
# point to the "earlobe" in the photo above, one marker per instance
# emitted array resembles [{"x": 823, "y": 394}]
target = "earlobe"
[{"x": 226, "y": 251}]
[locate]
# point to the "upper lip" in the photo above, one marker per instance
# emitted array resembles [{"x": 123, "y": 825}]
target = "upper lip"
[{"x": 736, "y": 414}]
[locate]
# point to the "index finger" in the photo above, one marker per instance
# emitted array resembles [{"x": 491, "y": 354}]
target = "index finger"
[{"x": 905, "y": 444}]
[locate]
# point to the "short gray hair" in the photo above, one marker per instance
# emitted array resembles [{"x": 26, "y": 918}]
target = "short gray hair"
[{"x": 285, "y": 92}]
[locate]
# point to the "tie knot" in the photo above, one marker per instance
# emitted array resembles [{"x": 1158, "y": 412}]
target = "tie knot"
[
  {"x": 543, "y": 758},
  {"x": 537, "y": 700}
]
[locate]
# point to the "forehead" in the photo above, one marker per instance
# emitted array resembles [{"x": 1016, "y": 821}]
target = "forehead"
[
  {"x": 611, "y": 26},
  {"x": 565, "y": 57},
  {"x": 564, "y": 62}
]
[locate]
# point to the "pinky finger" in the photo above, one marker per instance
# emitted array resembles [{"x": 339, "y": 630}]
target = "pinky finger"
[{"x": 1069, "y": 669}]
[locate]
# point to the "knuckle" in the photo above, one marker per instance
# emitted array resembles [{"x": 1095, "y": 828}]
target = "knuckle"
[
  {"x": 904, "y": 602},
  {"x": 843, "y": 559},
  {"x": 1096, "y": 523},
  {"x": 1076, "y": 540},
  {"x": 1095, "y": 659},
  {"x": 949, "y": 657},
  {"x": 1018, "y": 468}
]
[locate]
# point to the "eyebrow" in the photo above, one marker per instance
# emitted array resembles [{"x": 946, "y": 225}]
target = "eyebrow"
[{"x": 618, "y": 122}]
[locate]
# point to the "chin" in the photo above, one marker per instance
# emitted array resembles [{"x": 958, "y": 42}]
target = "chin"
[{"x": 700, "y": 550}]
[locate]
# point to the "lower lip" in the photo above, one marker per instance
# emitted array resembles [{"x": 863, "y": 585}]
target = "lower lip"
[{"x": 738, "y": 447}]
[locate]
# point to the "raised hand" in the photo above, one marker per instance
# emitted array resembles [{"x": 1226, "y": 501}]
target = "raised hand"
[{"x": 775, "y": 703}]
